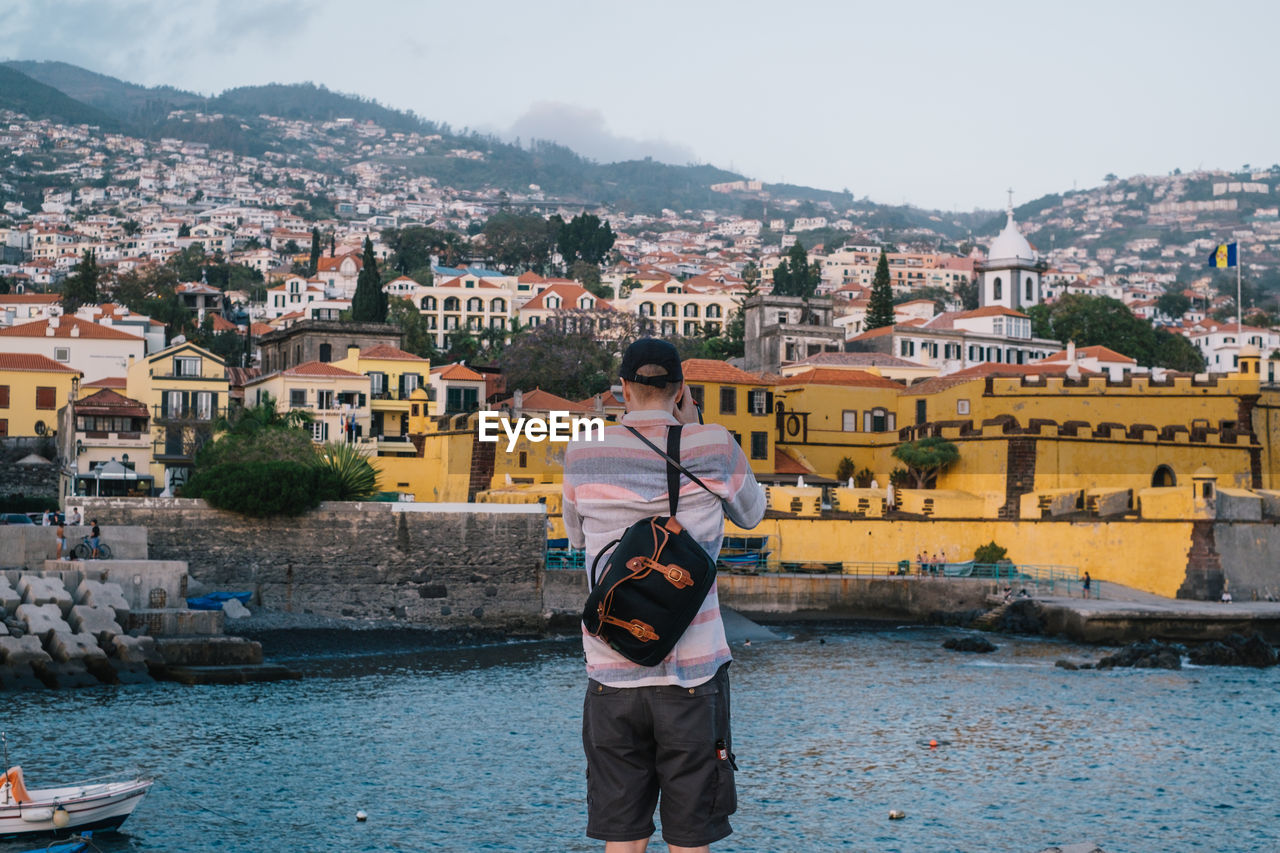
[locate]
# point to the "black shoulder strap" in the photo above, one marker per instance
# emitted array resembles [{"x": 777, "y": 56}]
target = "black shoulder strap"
[
  {"x": 674, "y": 468},
  {"x": 673, "y": 473}
]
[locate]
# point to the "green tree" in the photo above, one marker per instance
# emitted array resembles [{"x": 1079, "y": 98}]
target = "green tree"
[
  {"x": 845, "y": 470},
  {"x": 926, "y": 458},
  {"x": 583, "y": 238},
  {"x": 369, "y": 305},
  {"x": 1102, "y": 321},
  {"x": 417, "y": 338},
  {"x": 314, "y": 263},
  {"x": 1173, "y": 304},
  {"x": 184, "y": 230},
  {"x": 518, "y": 241},
  {"x": 587, "y": 274},
  {"x": 413, "y": 247},
  {"x": 81, "y": 287},
  {"x": 880, "y": 304},
  {"x": 795, "y": 276},
  {"x": 570, "y": 364},
  {"x": 750, "y": 273},
  {"x": 967, "y": 293},
  {"x": 1041, "y": 320}
]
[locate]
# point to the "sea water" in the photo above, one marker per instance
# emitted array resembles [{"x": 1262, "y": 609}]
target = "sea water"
[{"x": 479, "y": 749}]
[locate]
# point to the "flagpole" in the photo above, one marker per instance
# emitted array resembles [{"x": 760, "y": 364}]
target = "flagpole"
[{"x": 1239, "y": 310}]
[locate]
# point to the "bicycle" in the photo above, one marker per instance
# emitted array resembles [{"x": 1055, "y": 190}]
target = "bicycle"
[{"x": 84, "y": 551}]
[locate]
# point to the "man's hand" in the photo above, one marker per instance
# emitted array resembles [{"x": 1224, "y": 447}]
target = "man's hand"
[{"x": 686, "y": 411}]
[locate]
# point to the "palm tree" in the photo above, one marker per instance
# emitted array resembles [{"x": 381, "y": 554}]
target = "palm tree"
[{"x": 263, "y": 416}]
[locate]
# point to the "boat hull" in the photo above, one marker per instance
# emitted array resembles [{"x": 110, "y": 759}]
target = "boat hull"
[{"x": 90, "y": 808}]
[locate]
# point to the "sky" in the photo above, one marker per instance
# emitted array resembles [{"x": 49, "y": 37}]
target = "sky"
[{"x": 935, "y": 104}]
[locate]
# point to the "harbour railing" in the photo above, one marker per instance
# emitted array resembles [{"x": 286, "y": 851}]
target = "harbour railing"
[{"x": 1036, "y": 578}]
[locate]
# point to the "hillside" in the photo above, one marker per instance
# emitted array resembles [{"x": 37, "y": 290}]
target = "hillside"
[{"x": 24, "y": 94}]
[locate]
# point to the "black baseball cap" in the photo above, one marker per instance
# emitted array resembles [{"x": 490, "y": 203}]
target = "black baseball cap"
[{"x": 651, "y": 351}]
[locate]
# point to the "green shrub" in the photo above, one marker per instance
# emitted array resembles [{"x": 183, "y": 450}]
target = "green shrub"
[
  {"x": 263, "y": 489},
  {"x": 844, "y": 470},
  {"x": 357, "y": 479},
  {"x": 989, "y": 553}
]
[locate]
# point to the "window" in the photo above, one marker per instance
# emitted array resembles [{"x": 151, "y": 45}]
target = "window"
[
  {"x": 697, "y": 392},
  {"x": 297, "y": 397},
  {"x": 319, "y": 431},
  {"x": 4, "y": 396},
  {"x": 524, "y": 459},
  {"x": 737, "y": 436},
  {"x": 962, "y": 407},
  {"x": 498, "y": 305},
  {"x": 691, "y": 310},
  {"x": 849, "y": 420},
  {"x": 759, "y": 445},
  {"x": 757, "y": 399},
  {"x": 997, "y": 288},
  {"x": 184, "y": 365},
  {"x": 324, "y": 399},
  {"x": 728, "y": 401},
  {"x": 691, "y": 329},
  {"x": 428, "y": 303},
  {"x": 669, "y": 309},
  {"x": 461, "y": 400},
  {"x": 878, "y": 420},
  {"x": 326, "y": 352},
  {"x": 204, "y": 405},
  {"x": 4, "y": 427},
  {"x": 377, "y": 383},
  {"x": 46, "y": 398},
  {"x": 62, "y": 353},
  {"x": 452, "y": 304},
  {"x": 713, "y": 311},
  {"x": 646, "y": 309},
  {"x": 475, "y": 304},
  {"x": 907, "y": 348},
  {"x": 408, "y": 383}
]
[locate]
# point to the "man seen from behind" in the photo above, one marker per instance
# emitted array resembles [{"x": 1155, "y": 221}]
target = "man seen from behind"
[{"x": 659, "y": 737}]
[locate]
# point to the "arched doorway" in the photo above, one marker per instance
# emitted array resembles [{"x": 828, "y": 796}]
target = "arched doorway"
[{"x": 1163, "y": 478}]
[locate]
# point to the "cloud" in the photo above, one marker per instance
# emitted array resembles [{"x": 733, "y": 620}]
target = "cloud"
[{"x": 584, "y": 130}]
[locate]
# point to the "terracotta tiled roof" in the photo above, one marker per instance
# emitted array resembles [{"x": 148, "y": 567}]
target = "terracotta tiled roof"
[
  {"x": 259, "y": 329},
  {"x": 1101, "y": 353},
  {"x": 388, "y": 352},
  {"x": 326, "y": 263},
  {"x": 107, "y": 382},
  {"x": 238, "y": 377},
  {"x": 39, "y": 328},
  {"x": 538, "y": 400},
  {"x": 110, "y": 402},
  {"x": 569, "y": 294},
  {"x": 785, "y": 463},
  {"x": 840, "y": 376},
  {"x": 29, "y": 298},
  {"x": 710, "y": 370},
  {"x": 457, "y": 373},
  {"x": 855, "y": 359},
  {"x": 990, "y": 311},
  {"x": 29, "y": 361},
  {"x": 222, "y": 324},
  {"x": 480, "y": 283},
  {"x": 320, "y": 368}
]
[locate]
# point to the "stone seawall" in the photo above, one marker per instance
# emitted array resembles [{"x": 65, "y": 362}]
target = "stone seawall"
[
  {"x": 909, "y": 599},
  {"x": 436, "y": 565}
]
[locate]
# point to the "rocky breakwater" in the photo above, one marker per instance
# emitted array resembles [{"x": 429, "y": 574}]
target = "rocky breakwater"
[{"x": 54, "y": 636}]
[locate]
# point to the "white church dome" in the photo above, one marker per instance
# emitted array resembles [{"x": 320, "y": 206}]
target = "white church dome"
[{"x": 1010, "y": 244}]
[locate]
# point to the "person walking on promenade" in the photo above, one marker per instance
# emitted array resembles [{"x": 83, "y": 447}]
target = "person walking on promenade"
[
  {"x": 1088, "y": 582},
  {"x": 95, "y": 536},
  {"x": 658, "y": 737},
  {"x": 62, "y": 541}
]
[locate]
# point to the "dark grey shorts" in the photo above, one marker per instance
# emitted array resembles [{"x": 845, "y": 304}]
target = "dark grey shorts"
[{"x": 642, "y": 741}]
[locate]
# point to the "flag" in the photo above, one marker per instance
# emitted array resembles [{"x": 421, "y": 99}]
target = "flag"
[{"x": 1223, "y": 256}]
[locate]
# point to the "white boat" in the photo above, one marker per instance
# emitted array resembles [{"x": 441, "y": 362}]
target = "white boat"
[{"x": 26, "y": 812}]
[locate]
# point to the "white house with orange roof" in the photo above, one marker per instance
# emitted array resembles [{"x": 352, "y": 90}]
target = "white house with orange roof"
[
  {"x": 456, "y": 388},
  {"x": 555, "y": 299},
  {"x": 18, "y": 308},
  {"x": 1219, "y": 343},
  {"x": 295, "y": 293},
  {"x": 339, "y": 273},
  {"x": 120, "y": 317},
  {"x": 93, "y": 349},
  {"x": 684, "y": 308},
  {"x": 1096, "y": 359}
]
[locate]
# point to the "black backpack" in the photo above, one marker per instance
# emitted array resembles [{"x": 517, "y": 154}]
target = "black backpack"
[{"x": 655, "y": 580}]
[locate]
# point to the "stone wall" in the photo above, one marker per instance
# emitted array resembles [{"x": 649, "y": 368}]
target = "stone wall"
[
  {"x": 436, "y": 565},
  {"x": 857, "y": 597},
  {"x": 40, "y": 481}
]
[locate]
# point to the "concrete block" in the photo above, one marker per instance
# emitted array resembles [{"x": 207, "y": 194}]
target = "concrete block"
[
  {"x": 37, "y": 589},
  {"x": 140, "y": 650},
  {"x": 103, "y": 594},
  {"x": 63, "y": 647},
  {"x": 98, "y": 621},
  {"x": 22, "y": 651},
  {"x": 176, "y": 623},
  {"x": 57, "y": 674},
  {"x": 4, "y": 630},
  {"x": 43, "y": 619},
  {"x": 233, "y": 609},
  {"x": 9, "y": 597}
]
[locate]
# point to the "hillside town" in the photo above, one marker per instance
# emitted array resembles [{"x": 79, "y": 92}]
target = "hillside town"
[{"x": 160, "y": 287}]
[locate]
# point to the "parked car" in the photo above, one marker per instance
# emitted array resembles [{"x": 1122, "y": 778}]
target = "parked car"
[
  {"x": 38, "y": 517},
  {"x": 14, "y": 518}
]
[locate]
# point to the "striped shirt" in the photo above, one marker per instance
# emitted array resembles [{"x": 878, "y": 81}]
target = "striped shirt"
[{"x": 611, "y": 484}]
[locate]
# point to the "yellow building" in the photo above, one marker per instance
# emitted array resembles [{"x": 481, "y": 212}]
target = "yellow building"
[
  {"x": 740, "y": 402},
  {"x": 336, "y": 399},
  {"x": 185, "y": 389},
  {"x": 112, "y": 446},
  {"x": 394, "y": 377},
  {"x": 32, "y": 390}
]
